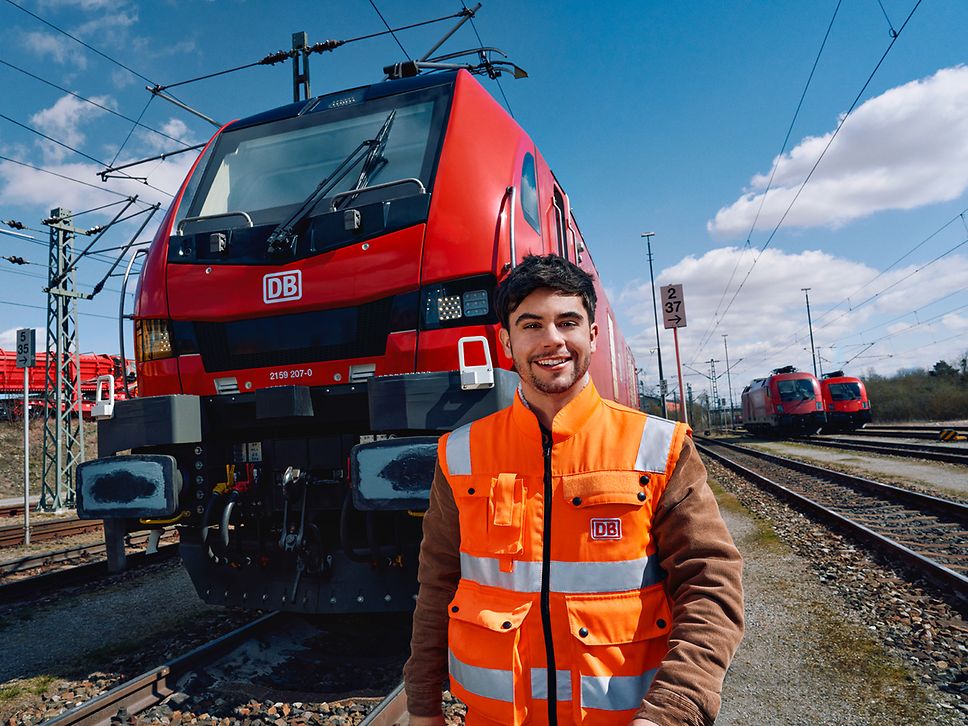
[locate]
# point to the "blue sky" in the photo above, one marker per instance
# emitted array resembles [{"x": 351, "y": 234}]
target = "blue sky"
[{"x": 656, "y": 116}]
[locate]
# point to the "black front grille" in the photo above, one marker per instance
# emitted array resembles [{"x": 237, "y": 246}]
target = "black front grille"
[{"x": 321, "y": 335}]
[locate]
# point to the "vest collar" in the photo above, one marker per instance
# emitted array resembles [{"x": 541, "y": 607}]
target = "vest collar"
[{"x": 568, "y": 421}]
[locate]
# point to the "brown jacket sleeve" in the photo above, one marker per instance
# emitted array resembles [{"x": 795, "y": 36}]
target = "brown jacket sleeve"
[
  {"x": 438, "y": 574},
  {"x": 705, "y": 587}
]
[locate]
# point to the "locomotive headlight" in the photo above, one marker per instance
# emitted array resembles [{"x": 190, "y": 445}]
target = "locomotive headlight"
[
  {"x": 457, "y": 302},
  {"x": 152, "y": 339}
]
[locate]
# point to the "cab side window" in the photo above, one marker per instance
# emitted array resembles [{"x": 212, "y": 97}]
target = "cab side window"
[{"x": 529, "y": 193}]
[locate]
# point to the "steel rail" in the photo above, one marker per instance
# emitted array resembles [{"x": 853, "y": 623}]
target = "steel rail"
[
  {"x": 154, "y": 686},
  {"x": 946, "y": 578},
  {"x": 391, "y": 711},
  {"x": 13, "y": 535},
  {"x": 938, "y": 505},
  {"x": 892, "y": 433},
  {"x": 41, "y": 559},
  {"x": 914, "y": 451},
  {"x": 30, "y": 587}
]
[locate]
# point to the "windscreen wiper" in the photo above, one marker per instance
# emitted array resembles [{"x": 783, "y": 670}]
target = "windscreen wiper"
[
  {"x": 375, "y": 160},
  {"x": 282, "y": 240}
]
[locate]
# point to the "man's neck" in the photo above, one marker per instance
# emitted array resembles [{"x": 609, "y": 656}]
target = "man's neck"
[{"x": 545, "y": 406}]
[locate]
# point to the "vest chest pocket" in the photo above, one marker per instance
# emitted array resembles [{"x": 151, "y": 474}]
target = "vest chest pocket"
[
  {"x": 618, "y": 641},
  {"x": 485, "y": 652},
  {"x": 491, "y": 512},
  {"x": 618, "y": 491}
]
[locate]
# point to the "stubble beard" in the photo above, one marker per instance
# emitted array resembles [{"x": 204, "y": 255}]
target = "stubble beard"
[{"x": 556, "y": 386}]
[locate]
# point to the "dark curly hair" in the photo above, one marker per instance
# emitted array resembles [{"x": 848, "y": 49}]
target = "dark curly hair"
[{"x": 538, "y": 271}]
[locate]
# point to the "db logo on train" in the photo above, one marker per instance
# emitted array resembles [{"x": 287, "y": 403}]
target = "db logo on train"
[
  {"x": 607, "y": 528},
  {"x": 282, "y": 286}
]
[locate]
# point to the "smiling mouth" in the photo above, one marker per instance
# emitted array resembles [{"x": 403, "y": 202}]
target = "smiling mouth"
[{"x": 552, "y": 362}]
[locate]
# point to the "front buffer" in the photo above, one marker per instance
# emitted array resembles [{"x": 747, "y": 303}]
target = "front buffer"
[{"x": 287, "y": 498}]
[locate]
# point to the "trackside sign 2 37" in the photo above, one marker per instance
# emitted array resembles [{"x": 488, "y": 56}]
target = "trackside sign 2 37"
[{"x": 282, "y": 286}]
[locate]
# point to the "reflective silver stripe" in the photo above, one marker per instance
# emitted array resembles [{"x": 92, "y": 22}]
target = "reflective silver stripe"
[
  {"x": 654, "y": 448},
  {"x": 566, "y": 577},
  {"x": 615, "y": 693},
  {"x": 459, "y": 451},
  {"x": 539, "y": 684},
  {"x": 486, "y": 682}
]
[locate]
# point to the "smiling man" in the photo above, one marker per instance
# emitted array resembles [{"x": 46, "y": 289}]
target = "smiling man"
[{"x": 574, "y": 567}]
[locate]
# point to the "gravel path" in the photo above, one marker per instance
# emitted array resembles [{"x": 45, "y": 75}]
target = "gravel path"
[{"x": 809, "y": 655}]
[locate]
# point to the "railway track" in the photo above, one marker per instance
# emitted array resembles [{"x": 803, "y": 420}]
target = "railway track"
[
  {"x": 12, "y": 535},
  {"x": 918, "y": 451},
  {"x": 152, "y": 687},
  {"x": 345, "y": 667},
  {"x": 926, "y": 533},
  {"x": 34, "y": 586}
]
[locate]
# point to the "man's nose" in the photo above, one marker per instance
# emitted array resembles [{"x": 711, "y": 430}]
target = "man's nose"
[{"x": 553, "y": 337}]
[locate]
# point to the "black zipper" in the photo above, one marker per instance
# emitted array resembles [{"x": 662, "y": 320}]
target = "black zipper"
[{"x": 546, "y": 442}]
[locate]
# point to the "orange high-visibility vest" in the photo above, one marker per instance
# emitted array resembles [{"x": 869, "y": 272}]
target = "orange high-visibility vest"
[{"x": 560, "y": 610}]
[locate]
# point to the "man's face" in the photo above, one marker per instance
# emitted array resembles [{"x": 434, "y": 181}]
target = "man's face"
[{"x": 551, "y": 341}]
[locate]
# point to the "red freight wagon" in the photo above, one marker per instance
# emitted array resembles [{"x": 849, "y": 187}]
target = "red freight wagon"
[{"x": 315, "y": 310}]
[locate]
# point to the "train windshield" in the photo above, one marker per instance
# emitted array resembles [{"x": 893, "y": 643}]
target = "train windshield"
[
  {"x": 268, "y": 170},
  {"x": 799, "y": 389},
  {"x": 844, "y": 391}
]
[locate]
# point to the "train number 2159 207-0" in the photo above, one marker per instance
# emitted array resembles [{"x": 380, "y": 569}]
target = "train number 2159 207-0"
[{"x": 290, "y": 374}]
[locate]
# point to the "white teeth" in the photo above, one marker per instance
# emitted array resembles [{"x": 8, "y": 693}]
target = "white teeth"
[{"x": 553, "y": 362}]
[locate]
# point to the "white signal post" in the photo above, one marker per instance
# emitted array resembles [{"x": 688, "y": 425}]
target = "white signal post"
[
  {"x": 674, "y": 316},
  {"x": 26, "y": 359}
]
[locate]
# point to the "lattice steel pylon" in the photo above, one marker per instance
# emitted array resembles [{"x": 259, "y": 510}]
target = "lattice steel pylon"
[
  {"x": 714, "y": 389},
  {"x": 63, "y": 425}
]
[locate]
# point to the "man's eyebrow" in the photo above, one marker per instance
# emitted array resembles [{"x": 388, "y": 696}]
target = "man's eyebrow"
[
  {"x": 526, "y": 316},
  {"x": 567, "y": 315}
]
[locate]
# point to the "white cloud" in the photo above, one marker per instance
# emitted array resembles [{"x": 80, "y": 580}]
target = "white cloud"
[
  {"x": 63, "y": 120},
  {"x": 903, "y": 149},
  {"x": 53, "y": 47},
  {"x": 8, "y": 338},
  {"x": 767, "y": 323},
  {"x": 86, "y": 5},
  {"x": 21, "y": 185}
]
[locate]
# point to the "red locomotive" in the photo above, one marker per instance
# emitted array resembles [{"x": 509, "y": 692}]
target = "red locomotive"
[
  {"x": 845, "y": 401},
  {"x": 313, "y": 313},
  {"x": 788, "y": 401}
]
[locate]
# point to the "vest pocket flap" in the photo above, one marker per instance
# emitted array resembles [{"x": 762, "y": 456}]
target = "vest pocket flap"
[
  {"x": 614, "y": 619},
  {"x": 603, "y": 487},
  {"x": 488, "y": 608}
]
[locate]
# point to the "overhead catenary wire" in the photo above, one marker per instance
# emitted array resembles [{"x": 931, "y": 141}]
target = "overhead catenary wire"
[
  {"x": 81, "y": 42},
  {"x": 321, "y": 47},
  {"x": 507, "y": 103},
  {"x": 136, "y": 122},
  {"x": 78, "y": 152},
  {"x": 776, "y": 163},
  {"x": 41, "y": 307},
  {"x": 393, "y": 34},
  {"x": 99, "y": 187},
  {"x": 803, "y": 184}
]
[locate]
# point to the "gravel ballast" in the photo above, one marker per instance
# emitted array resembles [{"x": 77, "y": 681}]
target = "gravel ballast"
[{"x": 832, "y": 638}]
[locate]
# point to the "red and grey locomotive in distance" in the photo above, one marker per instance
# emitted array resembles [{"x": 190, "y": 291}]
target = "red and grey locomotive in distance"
[
  {"x": 315, "y": 310},
  {"x": 787, "y": 401}
]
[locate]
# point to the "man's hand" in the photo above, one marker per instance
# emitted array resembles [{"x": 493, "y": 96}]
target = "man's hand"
[{"x": 433, "y": 720}]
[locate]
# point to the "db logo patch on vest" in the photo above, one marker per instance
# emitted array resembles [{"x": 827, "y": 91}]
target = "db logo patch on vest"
[
  {"x": 610, "y": 528},
  {"x": 282, "y": 286}
]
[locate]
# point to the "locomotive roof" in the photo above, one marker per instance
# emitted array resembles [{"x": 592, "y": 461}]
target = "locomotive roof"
[{"x": 359, "y": 94}]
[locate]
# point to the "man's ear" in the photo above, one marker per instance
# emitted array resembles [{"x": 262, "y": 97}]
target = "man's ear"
[
  {"x": 592, "y": 337},
  {"x": 505, "y": 337}
]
